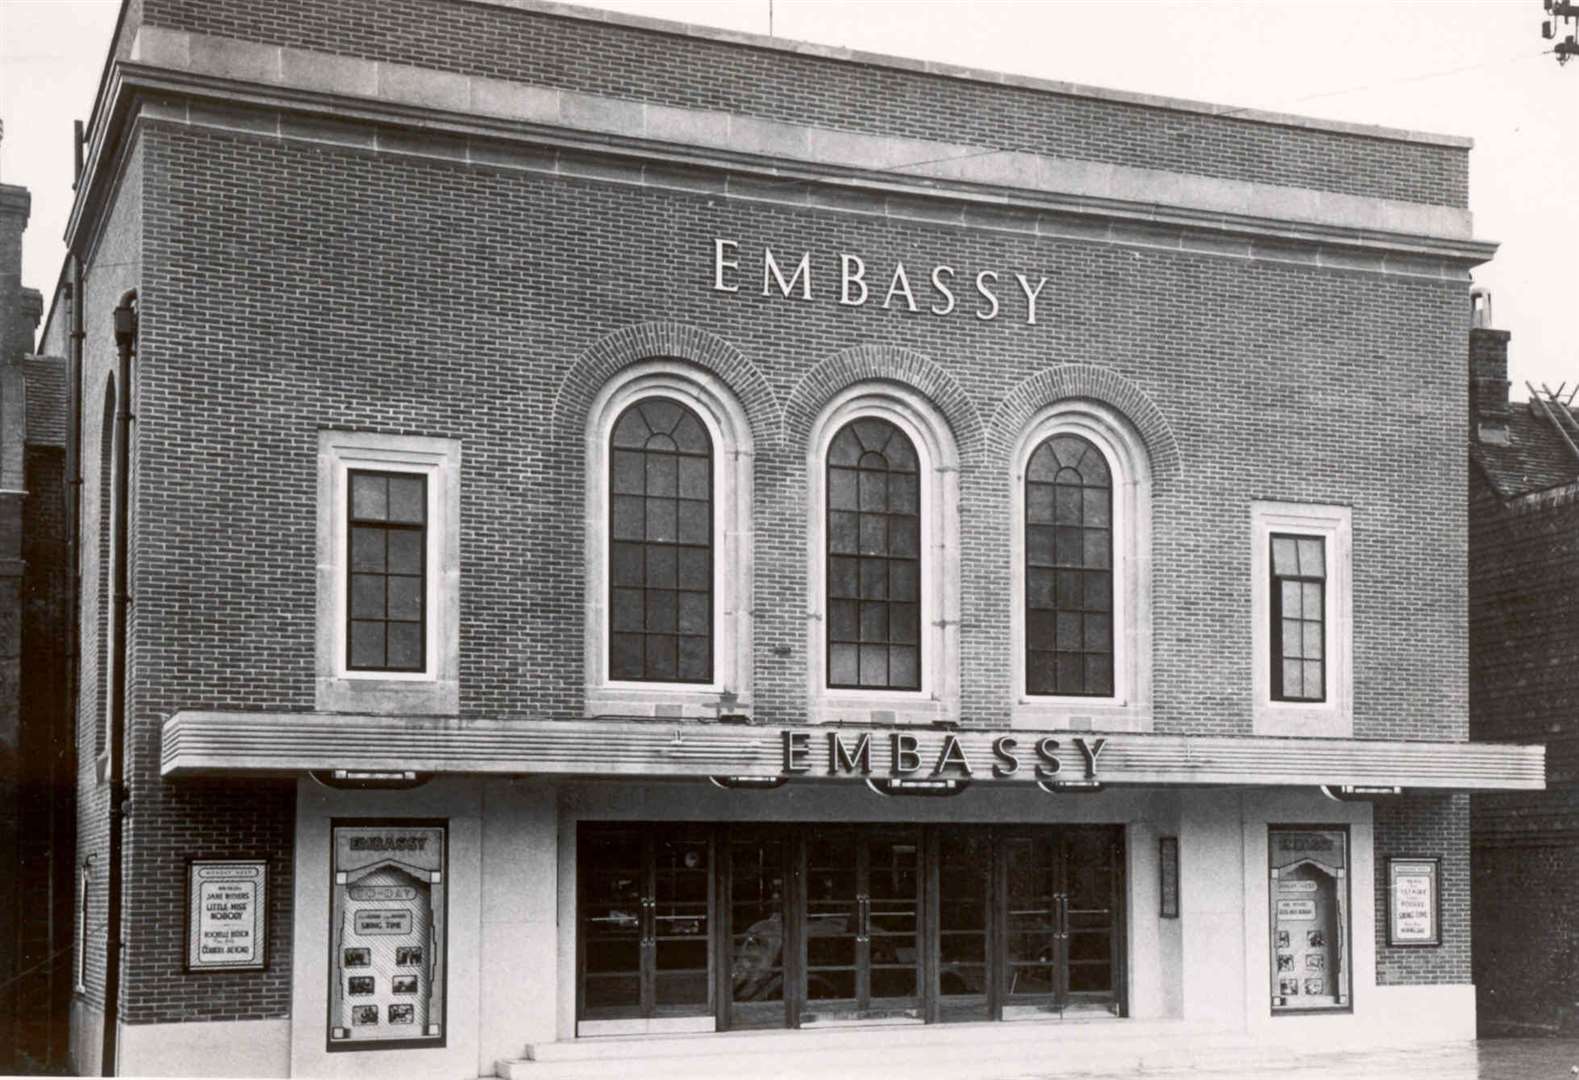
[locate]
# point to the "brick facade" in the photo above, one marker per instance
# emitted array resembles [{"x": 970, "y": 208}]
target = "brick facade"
[{"x": 286, "y": 286}]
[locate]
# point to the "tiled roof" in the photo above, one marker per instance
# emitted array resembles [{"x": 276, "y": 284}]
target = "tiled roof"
[
  {"x": 1535, "y": 458},
  {"x": 46, "y": 399}
]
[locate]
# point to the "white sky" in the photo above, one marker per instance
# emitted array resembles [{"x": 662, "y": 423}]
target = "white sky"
[{"x": 1467, "y": 67}]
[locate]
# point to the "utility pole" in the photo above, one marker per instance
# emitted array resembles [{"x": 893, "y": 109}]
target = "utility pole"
[{"x": 1561, "y": 11}]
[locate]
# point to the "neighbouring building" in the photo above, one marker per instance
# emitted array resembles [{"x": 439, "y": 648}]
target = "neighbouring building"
[
  {"x": 1524, "y": 685},
  {"x": 37, "y": 744},
  {"x": 592, "y": 526}
]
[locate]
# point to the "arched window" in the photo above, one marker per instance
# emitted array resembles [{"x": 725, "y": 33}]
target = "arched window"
[
  {"x": 1068, "y": 569},
  {"x": 661, "y": 545},
  {"x": 874, "y": 558},
  {"x": 1081, "y": 541}
]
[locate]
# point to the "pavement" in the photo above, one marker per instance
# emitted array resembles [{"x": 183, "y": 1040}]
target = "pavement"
[{"x": 1488, "y": 1059}]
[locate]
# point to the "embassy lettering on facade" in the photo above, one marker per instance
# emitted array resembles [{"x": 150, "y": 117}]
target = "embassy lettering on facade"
[
  {"x": 941, "y": 290},
  {"x": 903, "y": 755}
]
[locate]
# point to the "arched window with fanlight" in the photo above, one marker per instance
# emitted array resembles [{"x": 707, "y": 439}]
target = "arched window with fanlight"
[
  {"x": 660, "y": 545},
  {"x": 874, "y": 570},
  {"x": 1068, "y": 569}
]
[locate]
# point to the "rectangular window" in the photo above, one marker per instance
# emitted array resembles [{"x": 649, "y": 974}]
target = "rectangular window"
[
  {"x": 386, "y": 616},
  {"x": 1308, "y": 897},
  {"x": 1298, "y": 623},
  {"x": 387, "y": 935}
]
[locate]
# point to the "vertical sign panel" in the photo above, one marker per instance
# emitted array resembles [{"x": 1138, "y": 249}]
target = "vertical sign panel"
[
  {"x": 1308, "y": 894},
  {"x": 387, "y": 935},
  {"x": 1414, "y": 901},
  {"x": 1168, "y": 872},
  {"x": 227, "y": 915}
]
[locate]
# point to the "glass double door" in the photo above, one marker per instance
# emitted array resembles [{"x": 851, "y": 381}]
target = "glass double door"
[
  {"x": 646, "y": 922},
  {"x": 767, "y": 926}
]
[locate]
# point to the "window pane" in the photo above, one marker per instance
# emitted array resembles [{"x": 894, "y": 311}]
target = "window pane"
[
  {"x": 874, "y": 665},
  {"x": 369, "y": 496},
  {"x": 661, "y": 563},
  {"x": 1313, "y": 681},
  {"x": 661, "y": 414},
  {"x": 367, "y": 644},
  {"x": 874, "y": 491},
  {"x": 1312, "y": 596},
  {"x": 405, "y": 551},
  {"x": 1039, "y": 545},
  {"x": 1069, "y": 545},
  {"x": 1098, "y": 554},
  {"x": 1098, "y": 502},
  {"x": 874, "y": 622},
  {"x": 629, "y": 475},
  {"x": 843, "y": 576},
  {"x": 1068, "y": 505},
  {"x": 874, "y": 579},
  {"x": 625, "y": 660},
  {"x": 1285, "y": 562},
  {"x": 903, "y": 672},
  {"x": 626, "y": 564},
  {"x": 904, "y": 494},
  {"x": 842, "y": 620},
  {"x": 904, "y": 624},
  {"x": 405, "y": 646},
  {"x": 874, "y": 534},
  {"x": 629, "y": 518},
  {"x": 842, "y": 487},
  {"x": 661, "y": 657},
  {"x": 695, "y": 659},
  {"x": 1291, "y": 637},
  {"x": 367, "y": 549},
  {"x": 842, "y": 665},
  {"x": 661, "y": 520},
  {"x": 662, "y": 475},
  {"x": 695, "y": 483},
  {"x": 408, "y": 499},
  {"x": 1040, "y": 674},
  {"x": 1071, "y": 636},
  {"x": 628, "y": 609},
  {"x": 695, "y": 524},
  {"x": 660, "y": 611},
  {"x": 695, "y": 618},
  {"x": 1039, "y": 504},
  {"x": 1312, "y": 634},
  {"x": 694, "y": 568},
  {"x": 1071, "y": 673},
  {"x": 1290, "y": 597},
  {"x": 1099, "y": 633},
  {"x": 690, "y": 436},
  {"x": 1292, "y": 681},
  {"x": 367, "y": 596},
  {"x": 904, "y": 536},
  {"x": 1039, "y": 588},
  {"x": 1311, "y": 561},
  {"x": 1099, "y": 591},
  {"x": 1039, "y": 629},
  {"x": 405, "y": 598},
  {"x": 1099, "y": 673},
  {"x": 904, "y": 581},
  {"x": 843, "y": 533},
  {"x": 1043, "y": 466}
]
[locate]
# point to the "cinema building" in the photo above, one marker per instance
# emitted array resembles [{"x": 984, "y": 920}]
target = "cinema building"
[{"x": 602, "y": 540}]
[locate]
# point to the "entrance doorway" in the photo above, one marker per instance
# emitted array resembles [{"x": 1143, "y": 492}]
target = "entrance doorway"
[{"x": 808, "y": 924}]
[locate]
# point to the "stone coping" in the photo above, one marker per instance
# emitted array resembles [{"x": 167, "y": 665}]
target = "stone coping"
[{"x": 985, "y": 75}]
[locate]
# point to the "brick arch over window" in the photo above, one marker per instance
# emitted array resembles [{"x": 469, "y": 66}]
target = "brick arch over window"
[
  {"x": 1096, "y": 384},
  {"x": 663, "y": 340},
  {"x": 880, "y": 363}
]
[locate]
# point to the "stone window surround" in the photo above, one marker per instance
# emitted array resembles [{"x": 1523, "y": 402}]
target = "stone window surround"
[
  {"x": 436, "y": 689},
  {"x": 938, "y": 699},
  {"x": 1130, "y": 707},
  {"x": 1333, "y": 717},
  {"x": 733, "y": 454}
]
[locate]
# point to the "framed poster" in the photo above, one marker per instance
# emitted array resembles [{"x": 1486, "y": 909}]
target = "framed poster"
[
  {"x": 1168, "y": 875},
  {"x": 388, "y": 930},
  {"x": 1414, "y": 901},
  {"x": 227, "y": 918},
  {"x": 1308, "y": 901}
]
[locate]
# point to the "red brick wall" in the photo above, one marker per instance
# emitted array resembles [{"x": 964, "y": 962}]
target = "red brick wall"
[
  {"x": 627, "y": 62},
  {"x": 1430, "y": 827}
]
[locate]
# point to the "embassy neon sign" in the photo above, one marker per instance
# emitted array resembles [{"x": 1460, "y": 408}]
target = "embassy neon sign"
[
  {"x": 940, "y": 290},
  {"x": 901, "y": 755}
]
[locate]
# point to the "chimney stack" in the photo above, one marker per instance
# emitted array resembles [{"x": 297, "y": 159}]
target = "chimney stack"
[{"x": 1488, "y": 372}]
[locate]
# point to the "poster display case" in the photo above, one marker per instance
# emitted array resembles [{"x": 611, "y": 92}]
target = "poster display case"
[
  {"x": 227, "y": 915},
  {"x": 387, "y": 935},
  {"x": 1414, "y": 901},
  {"x": 1308, "y": 898}
]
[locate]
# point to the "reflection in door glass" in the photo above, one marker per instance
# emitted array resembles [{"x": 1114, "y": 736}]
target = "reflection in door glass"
[{"x": 964, "y": 875}]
